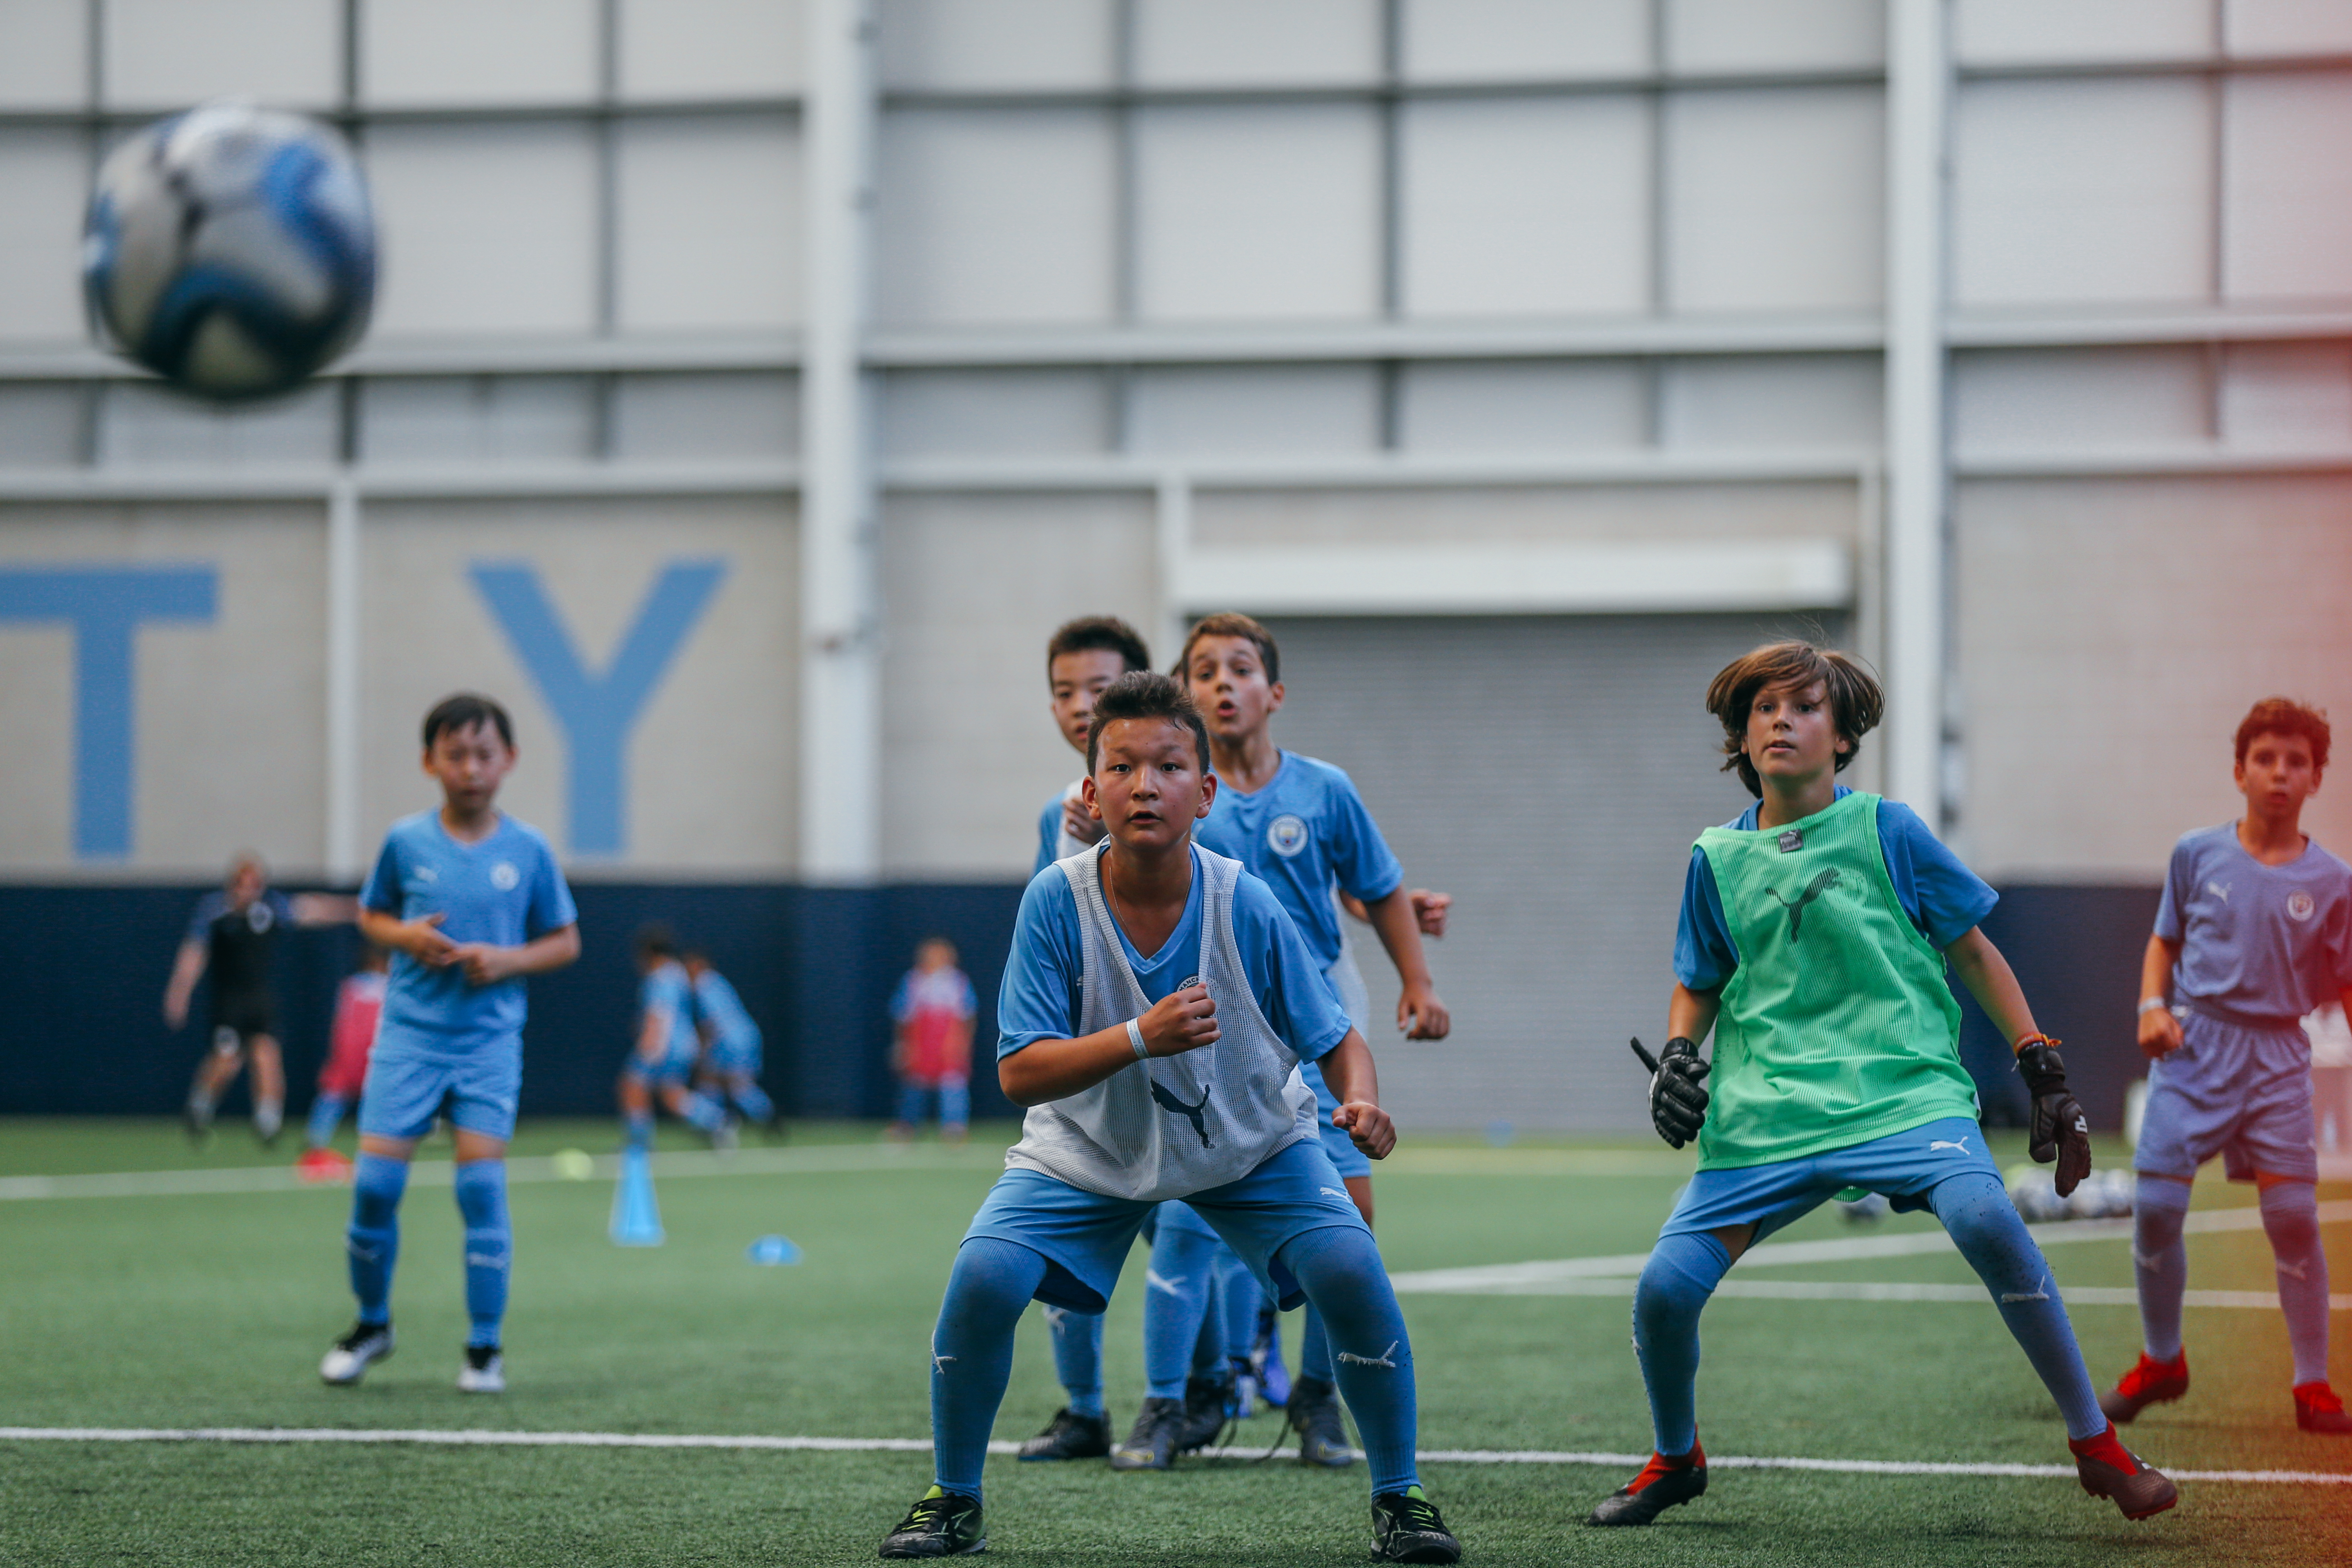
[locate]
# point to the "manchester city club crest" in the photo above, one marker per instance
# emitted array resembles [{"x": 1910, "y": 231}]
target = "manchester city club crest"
[
  {"x": 1285, "y": 836},
  {"x": 2301, "y": 905},
  {"x": 503, "y": 876}
]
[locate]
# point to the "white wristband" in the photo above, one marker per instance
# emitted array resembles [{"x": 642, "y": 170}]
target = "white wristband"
[
  {"x": 2150, "y": 1003},
  {"x": 1135, "y": 1037}
]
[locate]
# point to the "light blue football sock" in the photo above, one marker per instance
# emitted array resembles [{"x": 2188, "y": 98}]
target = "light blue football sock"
[
  {"x": 752, "y": 1100},
  {"x": 1077, "y": 1358},
  {"x": 326, "y": 1115},
  {"x": 2291, "y": 1216},
  {"x": 1314, "y": 1346},
  {"x": 373, "y": 1238},
  {"x": 706, "y": 1115},
  {"x": 637, "y": 1128},
  {"x": 1681, "y": 1273},
  {"x": 489, "y": 1246},
  {"x": 1984, "y": 1225},
  {"x": 1175, "y": 1304},
  {"x": 1238, "y": 1301},
  {"x": 2158, "y": 1208},
  {"x": 972, "y": 1353},
  {"x": 1340, "y": 1271},
  {"x": 1208, "y": 1341}
]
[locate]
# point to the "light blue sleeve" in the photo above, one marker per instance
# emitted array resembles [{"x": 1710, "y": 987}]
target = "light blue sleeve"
[
  {"x": 383, "y": 891},
  {"x": 1360, "y": 859},
  {"x": 1049, "y": 834},
  {"x": 1039, "y": 997},
  {"x": 1705, "y": 954},
  {"x": 550, "y": 907},
  {"x": 2178, "y": 879},
  {"x": 1944, "y": 898},
  {"x": 1289, "y": 986}
]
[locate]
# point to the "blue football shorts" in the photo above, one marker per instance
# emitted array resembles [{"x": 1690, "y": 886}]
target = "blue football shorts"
[
  {"x": 731, "y": 1055},
  {"x": 412, "y": 1078},
  {"x": 1341, "y": 1149},
  {"x": 1084, "y": 1236},
  {"x": 1905, "y": 1166},
  {"x": 2240, "y": 1093}
]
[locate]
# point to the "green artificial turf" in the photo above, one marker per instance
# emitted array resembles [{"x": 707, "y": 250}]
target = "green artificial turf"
[{"x": 212, "y": 1309}]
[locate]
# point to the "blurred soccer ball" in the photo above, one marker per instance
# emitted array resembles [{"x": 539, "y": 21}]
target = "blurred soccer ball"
[
  {"x": 231, "y": 249},
  {"x": 2103, "y": 1195}
]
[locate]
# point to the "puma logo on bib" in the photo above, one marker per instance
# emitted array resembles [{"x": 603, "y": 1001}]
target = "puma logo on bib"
[
  {"x": 1192, "y": 1114},
  {"x": 1814, "y": 889}
]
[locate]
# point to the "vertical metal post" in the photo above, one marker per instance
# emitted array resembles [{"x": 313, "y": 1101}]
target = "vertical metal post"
[
  {"x": 344, "y": 862},
  {"x": 1918, "y": 83},
  {"x": 1172, "y": 519},
  {"x": 841, "y": 720}
]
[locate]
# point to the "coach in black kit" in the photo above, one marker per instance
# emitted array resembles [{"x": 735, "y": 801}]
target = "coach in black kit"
[{"x": 230, "y": 938}]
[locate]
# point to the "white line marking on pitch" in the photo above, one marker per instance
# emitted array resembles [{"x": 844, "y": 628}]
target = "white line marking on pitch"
[{"x": 464, "y": 1437}]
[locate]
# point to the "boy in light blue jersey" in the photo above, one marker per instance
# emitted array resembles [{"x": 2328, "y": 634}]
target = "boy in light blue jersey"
[
  {"x": 469, "y": 902},
  {"x": 660, "y": 1067},
  {"x": 1299, "y": 824},
  {"x": 2255, "y": 933},
  {"x": 1155, "y": 1008},
  {"x": 731, "y": 1044},
  {"x": 1082, "y": 659}
]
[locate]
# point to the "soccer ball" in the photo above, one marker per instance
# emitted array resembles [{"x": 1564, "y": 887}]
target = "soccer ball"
[{"x": 231, "y": 249}]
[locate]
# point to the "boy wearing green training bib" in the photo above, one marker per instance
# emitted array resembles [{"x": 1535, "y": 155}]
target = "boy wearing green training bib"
[{"x": 1815, "y": 933}]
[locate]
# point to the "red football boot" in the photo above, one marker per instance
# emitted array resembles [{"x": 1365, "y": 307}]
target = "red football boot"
[
  {"x": 2318, "y": 1409},
  {"x": 2151, "y": 1382},
  {"x": 1662, "y": 1484},
  {"x": 2108, "y": 1469},
  {"x": 322, "y": 1166}
]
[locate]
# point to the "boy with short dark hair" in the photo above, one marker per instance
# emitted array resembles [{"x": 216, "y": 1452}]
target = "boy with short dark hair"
[
  {"x": 1126, "y": 964},
  {"x": 1298, "y": 823},
  {"x": 1082, "y": 657},
  {"x": 471, "y": 904},
  {"x": 2255, "y": 933},
  {"x": 660, "y": 1066},
  {"x": 1815, "y": 931}
]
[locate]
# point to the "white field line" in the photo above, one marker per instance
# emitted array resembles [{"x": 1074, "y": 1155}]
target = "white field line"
[
  {"x": 463, "y": 1438},
  {"x": 1864, "y": 1290},
  {"x": 823, "y": 1161},
  {"x": 1549, "y": 1277}
]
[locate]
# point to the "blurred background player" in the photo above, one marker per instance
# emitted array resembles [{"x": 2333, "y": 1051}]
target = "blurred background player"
[
  {"x": 1082, "y": 657},
  {"x": 731, "y": 1055},
  {"x": 231, "y": 938},
  {"x": 471, "y": 903},
  {"x": 1299, "y": 824},
  {"x": 661, "y": 1064},
  {"x": 930, "y": 1048},
  {"x": 1813, "y": 940},
  {"x": 359, "y": 1002},
  {"x": 2254, "y": 931}
]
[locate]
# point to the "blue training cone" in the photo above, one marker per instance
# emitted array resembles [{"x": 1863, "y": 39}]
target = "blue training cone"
[{"x": 636, "y": 1218}]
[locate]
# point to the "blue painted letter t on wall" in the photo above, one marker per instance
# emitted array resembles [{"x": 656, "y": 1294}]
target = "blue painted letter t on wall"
[{"x": 597, "y": 712}]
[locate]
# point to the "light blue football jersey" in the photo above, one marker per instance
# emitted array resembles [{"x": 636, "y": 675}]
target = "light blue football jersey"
[
  {"x": 2256, "y": 940},
  {"x": 1303, "y": 834}
]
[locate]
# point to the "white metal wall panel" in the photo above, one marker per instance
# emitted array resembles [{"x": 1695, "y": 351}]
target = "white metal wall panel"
[
  {"x": 462, "y": 51},
  {"x": 1488, "y": 40},
  {"x": 1532, "y": 514},
  {"x": 168, "y": 54},
  {"x": 2071, "y": 399},
  {"x": 2287, "y": 27},
  {"x": 1260, "y": 213},
  {"x": 1274, "y": 410},
  {"x": 1818, "y": 400},
  {"x": 1561, "y": 941},
  {"x": 1776, "y": 199},
  {"x": 143, "y": 422},
  {"x": 995, "y": 218},
  {"x": 2082, "y": 192},
  {"x": 2287, "y": 223},
  {"x": 1705, "y": 36},
  {"x": 478, "y": 418},
  {"x": 964, "y": 692},
  {"x": 2164, "y": 609},
  {"x": 40, "y": 426},
  {"x": 1523, "y": 407},
  {"x": 710, "y": 48},
  {"x": 47, "y": 62},
  {"x": 2296, "y": 395},
  {"x": 2038, "y": 32},
  {"x": 709, "y": 224},
  {"x": 485, "y": 228},
  {"x": 1538, "y": 207},
  {"x": 728, "y": 415},
  {"x": 996, "y": 414},
  {"x": 996, "y": 44},
  {"x": 44, "y": 186},
  {"x": 1191, "y": 42}
]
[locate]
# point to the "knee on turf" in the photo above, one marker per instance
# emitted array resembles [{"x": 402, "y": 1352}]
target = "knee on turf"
[{"x": 1681, "y": 1273}]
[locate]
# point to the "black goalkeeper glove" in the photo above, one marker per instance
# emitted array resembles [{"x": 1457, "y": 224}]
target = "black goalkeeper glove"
[
  {"x": 2060, "y": 1130},
  {"x": 1677, "y": 1103}
]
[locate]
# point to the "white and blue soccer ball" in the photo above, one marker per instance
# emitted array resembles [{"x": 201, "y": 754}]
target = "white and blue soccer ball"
[{"x": 231, "y": 249}]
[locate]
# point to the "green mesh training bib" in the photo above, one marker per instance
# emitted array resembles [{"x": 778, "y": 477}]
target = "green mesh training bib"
[{"x": 1837, "y": 1028}]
